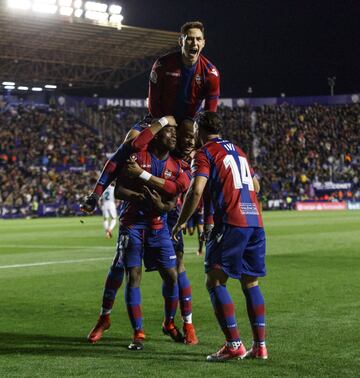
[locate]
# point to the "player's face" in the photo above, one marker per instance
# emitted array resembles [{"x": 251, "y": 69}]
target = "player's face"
[
  {"x": 167, "y": 138},
  {"x": 186, "y": 137},
  {"x": 191, "y": 45}
]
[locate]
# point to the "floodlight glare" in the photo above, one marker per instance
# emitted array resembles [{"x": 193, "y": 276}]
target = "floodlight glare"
[
  {"x": 44, "y": 8},
  {"x": 50, "y": 2},
  {"x": 36, "y": 89},
  {"x": 116, "y": 18},
  {"x": 50, "y": 86},
  {"x": 65, "y": 3},
  {"x": 97, "y": 7},
  {"x": 8, "y": 83},
  {"x": 19, "y": 4},
  {"x": 66, "y": 11},
  {"x": 77, "y": 3},
  {"x": 96, "y": 16},
  {"x": 9, "y": 87},
  {"x": 21, "y": 88},
  {"x": 78, "y": 12},
  {"x": 115, "y": 9}
]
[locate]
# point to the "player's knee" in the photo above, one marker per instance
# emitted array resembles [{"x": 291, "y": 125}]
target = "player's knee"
[
  {"x": 134, "y": 276},
  {"x": 248, "y": 282},
  {"x": 170, "y": 276},
  {"x": 180, "y": 267},
  {"x": 215, "y": 277}
]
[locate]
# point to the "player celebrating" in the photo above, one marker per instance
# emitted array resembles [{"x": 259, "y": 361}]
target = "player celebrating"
[
  {"x": 236, "y": 247},
  {"x": 180, "y": 81},
  {"x": 108, "y": 209},
  {"x": 183, "y": 152}
]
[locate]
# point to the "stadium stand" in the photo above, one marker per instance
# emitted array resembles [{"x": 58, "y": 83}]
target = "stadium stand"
[{"x": 49, "y": 158}]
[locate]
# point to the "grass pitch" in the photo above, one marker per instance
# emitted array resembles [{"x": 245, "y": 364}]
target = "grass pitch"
[{"x": 51, "y": 278}]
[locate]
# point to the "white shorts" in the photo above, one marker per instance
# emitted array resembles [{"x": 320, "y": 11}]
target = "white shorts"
[{"x": 109, "y": 210}]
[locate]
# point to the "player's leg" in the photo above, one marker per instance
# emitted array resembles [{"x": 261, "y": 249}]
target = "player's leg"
[
  {"x": 106, "y": 216},
  {"x": 223, "y": 259},
  {"x": 254, "y": 266},
  {"x": 185, "y": 298},
  {"x": 190, "y": 226},
  {"x": 132, "y": 257},
  {"x": 113, "y": 282},
  {"x": 133, "y": 304},
  {"x": 225, "y": 314},
  {"x": 255, "y": 305},
  {"x": 170, "y": 293}
]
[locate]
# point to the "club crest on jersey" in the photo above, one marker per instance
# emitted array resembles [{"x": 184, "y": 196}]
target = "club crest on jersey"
[
  {"x": 167, "y": 174},
  {"x": 214, "y": 72},
  {"x": 198, "y": 80}
]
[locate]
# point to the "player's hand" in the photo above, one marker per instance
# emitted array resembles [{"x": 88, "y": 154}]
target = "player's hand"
[
  {"x": 133, "y": 168},
  {"x": 205, "y": 235},
  {"x": 88, "y": 203},
  {"x": 155, "y": 198},
  {"x": 176, "y": 229},
  {"x": 171, "y": 121}
]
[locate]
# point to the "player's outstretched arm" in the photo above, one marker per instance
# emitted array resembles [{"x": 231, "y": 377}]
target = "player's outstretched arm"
[
  {"x": 191, "y": 201},
  {"x": 141, "y": 142}
]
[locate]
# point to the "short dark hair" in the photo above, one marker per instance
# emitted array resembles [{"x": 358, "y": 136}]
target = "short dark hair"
[
  {"x": 192, "y": 25},
  {"x": 211, "y": 122}
]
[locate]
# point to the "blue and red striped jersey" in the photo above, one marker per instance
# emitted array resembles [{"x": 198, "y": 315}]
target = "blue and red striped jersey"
[
  {"x": 142, "y": 216},
  {"x": 177, "y": 90},
  {"x": 229, "y": 183}
]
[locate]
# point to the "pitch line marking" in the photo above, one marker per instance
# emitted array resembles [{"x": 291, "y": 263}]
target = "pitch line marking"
[{"x": 53, "y": 262}]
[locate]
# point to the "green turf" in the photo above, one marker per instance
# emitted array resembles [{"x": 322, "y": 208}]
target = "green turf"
[{"x": 311, "y": 291}]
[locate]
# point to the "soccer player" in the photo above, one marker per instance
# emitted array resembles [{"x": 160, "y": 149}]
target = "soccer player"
[
  {"x": 180, "y": 81},
  {"x": 146, "y": 234},
  {"x": 183, "y": 153},
  {"x": 108, "y": 209},
  {"x": 141, "y": 226},
  {"x": 236, "y": 247}
]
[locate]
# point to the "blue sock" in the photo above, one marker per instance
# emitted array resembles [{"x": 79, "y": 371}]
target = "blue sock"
[
  {"x": 185, "y": 297},
  {"x": 133, "y": 304},
  {"x": 113, "y": 282},
  {"x": 171, "y": 299},
  {"x": 225, "y": 312}
]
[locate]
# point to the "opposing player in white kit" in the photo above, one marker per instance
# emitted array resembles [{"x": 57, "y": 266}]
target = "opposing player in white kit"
[{"x": 109, "y": 210}]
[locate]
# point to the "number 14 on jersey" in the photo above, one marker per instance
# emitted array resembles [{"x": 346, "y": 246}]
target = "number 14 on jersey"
[{"x": 242, "y": 176}]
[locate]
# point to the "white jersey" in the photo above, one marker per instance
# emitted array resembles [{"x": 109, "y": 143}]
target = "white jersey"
[{"x": 108, "y": 203}]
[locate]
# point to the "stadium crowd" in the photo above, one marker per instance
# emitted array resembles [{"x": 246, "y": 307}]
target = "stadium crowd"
[{"x": 50, "y": 157}]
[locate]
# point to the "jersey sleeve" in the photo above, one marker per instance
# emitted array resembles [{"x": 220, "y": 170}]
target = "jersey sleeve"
[
  {"x": 179, "y": 186},
  {"x": 111, "y": 169},
  {"x": 213, "y": 90},
  {"x": 155, "y": 88},
  {"x": 200, "y": 165},
  {"x": 141, "y": 142}
]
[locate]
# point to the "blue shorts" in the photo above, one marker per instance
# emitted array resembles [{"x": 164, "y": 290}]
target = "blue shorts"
[
  {"x": 236, "y": 251},
  {"x": 153, "y": 246}
]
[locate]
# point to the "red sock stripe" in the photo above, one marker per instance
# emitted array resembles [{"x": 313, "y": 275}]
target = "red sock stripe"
[
  {"x": 185, "y": 307},
  {"x": 259, "y": 310},
  {"x": 231, "y": 334},
  {"x": 225, "y": 310},
  {"x": 134, "y": 311},
  {"x": 108, "y": 303},
  {"x": 185, "y": 292}
]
